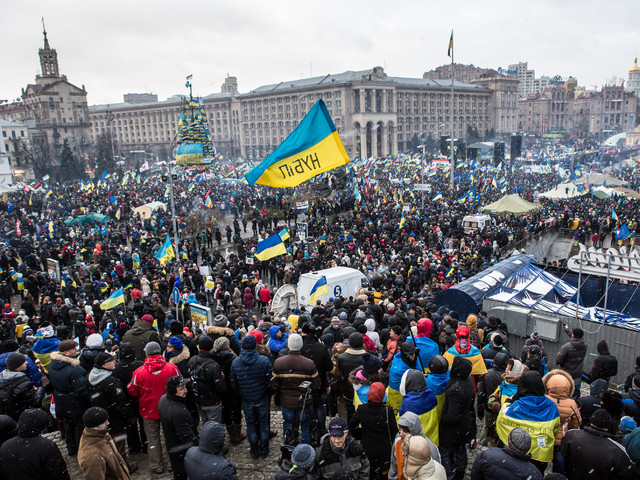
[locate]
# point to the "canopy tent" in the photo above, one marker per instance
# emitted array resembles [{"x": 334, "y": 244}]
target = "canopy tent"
[
  {"x": 562, "y": 190},
  {"x": 601, "y": 179},
  {"x": 8, "y": 188},
  {"x": 511, "y": 204},
  {"x": 616, "y": 140},
  {"x": 147, "y": 209},
  {"x": 603, "y": 193},
  {"x": 89, "y": 219}
]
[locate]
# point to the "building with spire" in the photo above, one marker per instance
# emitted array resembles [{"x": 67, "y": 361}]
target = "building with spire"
[
  {"x": 55, "y": 110},
  {"x": 633, "y": 83}
]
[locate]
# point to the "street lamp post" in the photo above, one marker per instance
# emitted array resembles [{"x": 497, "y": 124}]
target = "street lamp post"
[{"x": 109, "y": 117}]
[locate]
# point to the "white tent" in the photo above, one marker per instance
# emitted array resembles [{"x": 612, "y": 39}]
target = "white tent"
[
  {"x": 562, "y": 190},
  {"x": 147, "y": 209}
]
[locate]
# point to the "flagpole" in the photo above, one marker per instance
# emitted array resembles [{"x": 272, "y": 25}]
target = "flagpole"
[{"x": 453, "y": 165}]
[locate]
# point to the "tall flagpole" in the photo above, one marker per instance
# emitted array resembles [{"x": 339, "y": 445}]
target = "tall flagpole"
[{"x": 453, "y": 165}]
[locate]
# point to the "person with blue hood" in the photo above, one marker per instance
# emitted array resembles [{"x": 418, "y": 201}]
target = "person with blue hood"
[
  {"x": 46, "y": 344},
  {"x": 417, "y": 398},
  {"x": 277, "y": 341},
  {"x": 33, "y": 372},
  {"x": 168, "y": 321},
  {"x": 207, "y": 460},
  {"x": 404, "y": 360},
  {"x": 437, "y": 381}
]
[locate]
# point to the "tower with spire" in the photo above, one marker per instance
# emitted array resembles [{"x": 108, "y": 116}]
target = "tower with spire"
[
  {"x": 633, "y": 83},
  {"x": 48, "y": 58}
]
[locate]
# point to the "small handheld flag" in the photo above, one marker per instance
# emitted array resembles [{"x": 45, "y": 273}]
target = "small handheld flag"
[
  {"x": 272, "y": 246},
  {"x": 114, "y": 300}
]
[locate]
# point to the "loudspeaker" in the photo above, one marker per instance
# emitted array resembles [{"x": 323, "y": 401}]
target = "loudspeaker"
[
  {"x": 516, "y": 146},
  {"x": 498, "y": 153}
]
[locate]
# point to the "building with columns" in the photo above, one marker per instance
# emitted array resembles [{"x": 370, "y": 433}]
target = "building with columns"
[{"x": 633, "y": 82}]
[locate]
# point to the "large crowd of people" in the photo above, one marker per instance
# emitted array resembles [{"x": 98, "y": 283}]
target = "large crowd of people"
[{"x": 385, "y": 384}]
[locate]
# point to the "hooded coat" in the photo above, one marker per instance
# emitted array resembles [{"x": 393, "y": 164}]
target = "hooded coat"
[
  {"x": 571, "y": 356},
  {"x": 23, "y": 395},
  {"x": 560, "y": 387},
  {"x": 106, "y": 391},
  {"x": 98, "y": 456},
  {"x": 206, "y": 461},
  {"x": 29, "y": 455},
  {"x": 69, "y": 386},
  {"x": 149, "y": 384},
  {"x": 457, "y": 415},
  {"x": 217, "y": 332},
  {"x": 412, "y": 422},
  {"x": 125, "y": 367},
  {"x": 503, "y": 464},
  {"x": 139, "y": 335},
  {"x": 604, "y": 365}
]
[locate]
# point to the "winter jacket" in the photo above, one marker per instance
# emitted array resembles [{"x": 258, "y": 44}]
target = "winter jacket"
[
  {"x": 318, "y": 352},
  {"x": 525, "y": 348},
  {"x": 571, "y": 356},
  {"x": 23, "y": 395},
  {"x": 88, "y": 356},
  {"x": 179, "y": 358},
  {"x": 592, "y": 453},
  {"x": 374, "y": 424},
  {"x": 350, "y": 462},
  {"x": 209, "y": 384},
  {"x": 30, "y": 456},
  {"x": 503, "y": 464},
  {"x": 69, "y": 386},
  {"x": 370, "y": 323},
  {"x": 288, "y": 373},
  {"x": 124, "y": 371},
  {"x": 139, "y": 335},
  {"x": 590, "y": 403},
  {"x": 604, "y": 365},
  {"x": 276, "y": 344},
  {"x": 149, "y": 384},
  {"x": 217, "y": 332},
  {"x": 559, "y": 387},
  {"x": 289, "y": 471},
  {"x": 431, "y": 470},
  {"x": 33, "y": 372},
  {"x": 250, "y": 376},
  {"x": 347, "y": 362},
  {"x": 206, "y": 461},
  {"x": 106, "y": 391},
  {"x": 457, "y": 414},
  {"x": 396, "y": 467},
  {"x": 180, "y": 432},
  {"x": 98, "y": 456}
]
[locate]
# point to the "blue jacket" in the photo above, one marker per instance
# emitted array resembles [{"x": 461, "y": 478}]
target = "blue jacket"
[
  {"x": 428, "y": 349},
  {"x": 276, "y": 344},
  {"x": 398, "y": 367},
  {"x": 250, "y": 376},
  {"x": 437, "y": 383},
  {"x": 34, "y": 374}
]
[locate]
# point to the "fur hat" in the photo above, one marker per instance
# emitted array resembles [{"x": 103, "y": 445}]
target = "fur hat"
[{"x": 417, "y": 453}]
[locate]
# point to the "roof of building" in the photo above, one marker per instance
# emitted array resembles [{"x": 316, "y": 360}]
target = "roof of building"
[
  {"x": 173, "y": 100},
  {"x": 9, "y": 124},
  {"x": 635, "y": 68}
]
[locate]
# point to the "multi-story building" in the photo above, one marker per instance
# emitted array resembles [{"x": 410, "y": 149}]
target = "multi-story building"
[
  {"x": 15, "y": 138},
  {"x": 58, "y": 110},
  {"x": 463, "y": 73},
  {"x": 633, "y": 83},
  {"x": 529, "y": 84},
  {"x": 374, "y": 114},
  {"x": 503, "y": 103}
]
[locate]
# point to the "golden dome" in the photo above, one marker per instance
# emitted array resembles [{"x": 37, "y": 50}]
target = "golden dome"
[{"x": 635, "y": 68}]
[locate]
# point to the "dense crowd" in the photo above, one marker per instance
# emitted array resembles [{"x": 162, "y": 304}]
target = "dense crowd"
[{"x": 383, "y": 385}]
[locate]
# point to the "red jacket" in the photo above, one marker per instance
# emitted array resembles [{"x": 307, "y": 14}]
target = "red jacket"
[
  {"x": 265, "y": 295},
  {"x": 149, "y": 383},
  {"x": 369, "y": 346}
]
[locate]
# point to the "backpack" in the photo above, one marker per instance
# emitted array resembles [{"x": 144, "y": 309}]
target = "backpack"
[
  {"x": 198, "y": 378},
  {"x": 7, "y": 405}
]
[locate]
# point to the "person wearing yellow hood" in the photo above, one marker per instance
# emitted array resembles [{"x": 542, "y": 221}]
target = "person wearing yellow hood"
[{"x": 436, "y": 382}]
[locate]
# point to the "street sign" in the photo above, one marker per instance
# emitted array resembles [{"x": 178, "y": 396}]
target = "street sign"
[
  {"x": 176, "y": 295},
  {"x": 422, "y": 187}
]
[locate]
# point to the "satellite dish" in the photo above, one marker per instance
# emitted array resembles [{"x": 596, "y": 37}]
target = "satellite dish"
[{"x": 284, "y": 300}]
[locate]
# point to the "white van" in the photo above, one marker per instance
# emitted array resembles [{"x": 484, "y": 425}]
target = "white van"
[
  {"x": 341, "y": 281},
  {"x": 471, "y": 223}
]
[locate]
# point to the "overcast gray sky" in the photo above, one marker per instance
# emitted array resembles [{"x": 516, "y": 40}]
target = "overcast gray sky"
[{"x": 116, "y": 47}]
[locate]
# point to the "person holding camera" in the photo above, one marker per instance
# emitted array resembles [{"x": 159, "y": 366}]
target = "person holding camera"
[{"x": 289, "y": 372}]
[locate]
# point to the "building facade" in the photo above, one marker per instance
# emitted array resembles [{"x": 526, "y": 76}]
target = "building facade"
[
  {"x": 15, "y": 138},
  {"x": 633, "y": 82},
  {"x": 57, "y": 111},
  {"x": 503, "y": 103}
]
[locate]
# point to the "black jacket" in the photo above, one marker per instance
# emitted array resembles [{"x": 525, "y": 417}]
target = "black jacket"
[
  {"x": 29, "y": 455},
  {"x": 88, "y": 357},
  {"x": 329, "y": 465},
  {"x": 347, "y": 362},
  {"x": 179, "y": 429},
  {"x": 124, "y": 371},
  {"x": 374, "y": 424},
  {"x": 319, "y": 353},
  {"x": 106, "y": 391},
  {"x": 288, "y": 471},
  {"x": 571, "y": 356},
  {"x": 68, "y": 379},
  {"x": 209, "y": 384},
  {"x": 23, "y": 395},
  {"x": 604, "y": 365},
  {"x": 503, "y": 464},
  {"x": 206, "y": 461},
  {"x": 592, "y": 453},
  {"x": 456, "y": 424}
]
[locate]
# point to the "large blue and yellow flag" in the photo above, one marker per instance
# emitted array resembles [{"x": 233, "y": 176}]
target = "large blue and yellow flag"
[
  {"x": 473, "y": 355},
  {"x": 320, "y": 288},
  {"x": 312, "y": 148},
  {"x": 114, "y": 300},
  {"x": 539, "y": 417},
  {"x": 166, "y": 252},
  {"x": 272, "y": 246}
]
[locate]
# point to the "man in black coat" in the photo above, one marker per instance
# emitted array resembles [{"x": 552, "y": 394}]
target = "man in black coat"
[
  {"x": 126, "y": 365},
  {"x": 209, "y": 385},
  {"x": 592, "y": 452},
  {"x": 347, "y": 361},
  {"x": 319, "y": 353},
  {"x": 178, "y": 427},
  {"x": 68, "y": 379},
  {"x": 604, "y": 365},
  {"x": 206, "y": 461},
  {"x": 507, "y": 463},
  {"x": 570, "y": 358},
  {"x": 29, "y": 455},
  {"x": 589, "y": 404},
  {"x": 457, "y": 419},
  {"x": 18, "y": 387}
]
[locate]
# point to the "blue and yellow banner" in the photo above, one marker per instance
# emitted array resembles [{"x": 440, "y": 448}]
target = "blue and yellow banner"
[
  {"x": 114, "y": 300},
  {"x": 166, "y": 252},
  {"x": 473, "y": 355},
  {"x": 312, "y": 148},
  {"x": 272, "y": 246}
]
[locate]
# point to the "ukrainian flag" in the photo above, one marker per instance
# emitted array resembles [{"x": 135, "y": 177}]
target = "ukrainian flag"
[
  {"x": 319, "y": 289},
  {"x": 192, "y": 186},
  {"x": 401, "y": 226},
  {"x": 189, "y": 77},
  {"x": 473, "y": 355},
  {"x": 45, "y": 178},
  {"x": 208, "y": 202},
  {"x": 113, "y": 301},
  {"x": 49, "y": 193},
  {"x": 539, "y": 417},
  {"x": 437, "y": 197},
  {"x": 494, "y": 183},
  {"x": 272, "y": 246},
  {"x": 450, "y": 49},
  {"x": 613, "y": 214},
  {"x": 449, "y": 272},
  {"x": 312, "y": 148},
  {"x": 166, "y": 252},
  {"x": 437, "y": 383}
]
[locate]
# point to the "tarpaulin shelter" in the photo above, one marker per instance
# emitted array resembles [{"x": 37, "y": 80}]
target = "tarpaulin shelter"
[
  {"x": 147, "y": 209},
  {"x": 512, "y": 204},
  {"x": 562, "y": 190},
  {"x": 601, "y": 179},
  {"x": 88, "y": 219}
]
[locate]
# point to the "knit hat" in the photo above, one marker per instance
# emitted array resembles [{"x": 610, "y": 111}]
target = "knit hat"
[
  {"x": 337, "y": 427},
  {"x": 176, "y": 343},
  {"x": 259, "y": 336},
  {"x": 335, "y": 321},
  {"x": 102, "y": 358},
  {"x": 14, "y": 361},
  {"x": 221, "y": 343},
  {"x": 94, "y": 417},
  {"x": 303, "y": 456},
  {"x": 627, "y": 424},
  {"x": 356, "y": 341},
  {"x": 535, "y": 336},
  {"x": 417, "y": 453},
  {"x": 370, "y": 364},
  {"x": 343, "y": 316},
  {"x": 174, "y": 382},
  {"x": 94, "y": 340},
  {"x": 462, "y": 332},
  {"x": 376, "y": 393},
  {"x": 601, "y": 419},
  {"x": 519, "y": 440},
  {"x": 249, "y": 343},
  {"x": 147, "y": 319},
  {"x": 220, "y": 321},
  {"x": 65, "y": 345},
  {"x": 517, "y": 368},
  {"x": 205, "y": 343},
  {"x": 294, "y": 343},
  {"x": 152, "y": 348}
]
